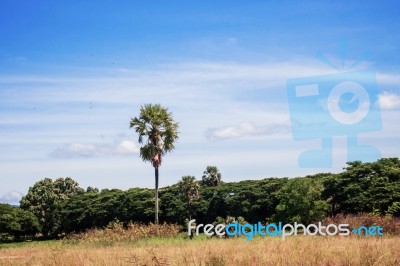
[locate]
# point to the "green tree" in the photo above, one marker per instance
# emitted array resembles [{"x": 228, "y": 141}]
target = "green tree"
[
  {"x": 90, "y": 210},
  {"x": 173, "y": 209},
  {"x": 394, "y": 209},
  {"x": 15, "y": 222},
  {"x": 189, "y": 191},
  {"x": 300, "y": 201},
  {"x": 211, "y": 177},
  {"x": 43, "y": 198},
  {"x": 92, "y": 190},
  {"x": 364, "y": 187},
  {"x": 157, "y": 126}
]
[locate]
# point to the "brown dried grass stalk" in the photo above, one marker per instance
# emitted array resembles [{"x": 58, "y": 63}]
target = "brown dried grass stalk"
[
  {"x": 116, "y": 232},
  {"x": 390, "y": 224}
]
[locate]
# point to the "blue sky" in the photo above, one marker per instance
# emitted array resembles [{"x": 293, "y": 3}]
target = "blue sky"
[{"x": 73, "y": 74}]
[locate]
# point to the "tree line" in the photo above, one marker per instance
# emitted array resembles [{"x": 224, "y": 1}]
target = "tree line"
[{"x": 61, "y": 206}]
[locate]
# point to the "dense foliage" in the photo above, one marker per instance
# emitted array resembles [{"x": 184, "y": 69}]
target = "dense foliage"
[
  {"x": 16, "y": 223},
  {"x": 365, "y": 187},
  {"x": 44, "y": 197},
  {"x": 62, "y": 207},
  {"x": 300, "y": 201}
]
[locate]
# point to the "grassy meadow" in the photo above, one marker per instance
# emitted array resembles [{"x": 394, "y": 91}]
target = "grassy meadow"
[
  {"x": 179, "y": 250},
  {"x": 166, "y": 244}
]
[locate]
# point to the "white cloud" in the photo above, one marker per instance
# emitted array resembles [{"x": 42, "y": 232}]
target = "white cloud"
[
  {"x": 389, "y": 101},
  {"x": 127, "y": 147},
  {"x": 12, "y": 198},
  {"x": 245, "y": 129},
  {"x": 211, "y": 97},
  {"x": 73, "y": 150}
]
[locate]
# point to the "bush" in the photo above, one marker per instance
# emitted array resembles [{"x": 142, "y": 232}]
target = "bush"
[{"x": 16, "y": 223}]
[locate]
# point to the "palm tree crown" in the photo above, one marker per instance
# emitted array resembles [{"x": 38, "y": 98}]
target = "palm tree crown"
[
  {"x": 211, "y": 177},
  {"x": 189, "y": 189},
  {"x": 157, "y": 125}
]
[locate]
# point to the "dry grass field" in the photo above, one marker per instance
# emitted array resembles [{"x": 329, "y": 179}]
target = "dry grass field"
[
  {"x": 163, "y": 244},
  {"x": 298, "y": 250}
]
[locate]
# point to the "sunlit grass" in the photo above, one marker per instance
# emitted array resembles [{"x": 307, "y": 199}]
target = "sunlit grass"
[
  {"x": 299, "y": 250},
  {"x": 166, "y": 245}
]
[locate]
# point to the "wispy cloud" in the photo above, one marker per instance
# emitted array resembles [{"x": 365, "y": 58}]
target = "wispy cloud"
[
  {"x": 245, "y": 129},
  {"x": 77, "y": 116},
  {"x": 73, "y": 150},
  {"x": 12, "y": 197},
  {"x": 388, "y": 78},
  {"x": 389, "y": 100},
  {"x": 191, "y": 79}
]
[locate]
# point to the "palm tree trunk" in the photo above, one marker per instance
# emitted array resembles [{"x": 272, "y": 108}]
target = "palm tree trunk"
[
  {"x": 190, "y": 211},
  {"x": 156, "y": 176}
]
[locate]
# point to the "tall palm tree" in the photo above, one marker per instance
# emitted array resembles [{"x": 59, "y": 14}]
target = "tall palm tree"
[
  {"x": 158, "y": 133},
  {"x": 189, "y": 191}
]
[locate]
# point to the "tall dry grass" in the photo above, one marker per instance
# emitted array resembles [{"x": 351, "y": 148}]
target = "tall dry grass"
[
  {"x": 390, "y": 224},
  {"x": 117, "y": 232},
  {"x": 299, "y": 250},
  {"x": 160, "y": 245}
]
